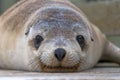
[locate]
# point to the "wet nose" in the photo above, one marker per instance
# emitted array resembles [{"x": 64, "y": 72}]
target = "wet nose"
[{"x": 60, "y": 54}]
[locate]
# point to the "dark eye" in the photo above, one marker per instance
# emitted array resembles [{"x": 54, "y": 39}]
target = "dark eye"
[
  {"x": 37, "y": 41},
  {"x": 81, "y": 41}
]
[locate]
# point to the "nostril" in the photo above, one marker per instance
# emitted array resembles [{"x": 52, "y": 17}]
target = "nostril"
[{"x": 60, "y": 54}]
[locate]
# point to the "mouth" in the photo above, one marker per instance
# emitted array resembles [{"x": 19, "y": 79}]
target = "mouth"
[{"x": 59, "y": 68}]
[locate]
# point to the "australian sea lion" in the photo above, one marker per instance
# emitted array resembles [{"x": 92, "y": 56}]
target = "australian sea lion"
[{"x": 51, "y": 36}]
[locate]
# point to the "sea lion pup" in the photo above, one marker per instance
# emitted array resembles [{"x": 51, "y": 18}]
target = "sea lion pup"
[{"x": 51, "y": 36}]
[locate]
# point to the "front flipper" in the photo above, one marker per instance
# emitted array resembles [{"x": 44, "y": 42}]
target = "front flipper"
[{"x": 111, "y": 53}]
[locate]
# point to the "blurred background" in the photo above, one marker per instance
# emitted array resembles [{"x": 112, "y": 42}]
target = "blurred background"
[{"x": 103, "y": 13}]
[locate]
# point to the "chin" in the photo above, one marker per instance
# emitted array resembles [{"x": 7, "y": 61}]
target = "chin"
[{"x": 45, "y": 68}]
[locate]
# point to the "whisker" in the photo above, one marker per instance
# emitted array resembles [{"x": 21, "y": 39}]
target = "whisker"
[
  {"x": 33, "y": 60},
  {"x": 36, "y": 67},
  {"x": 34, "y": 63}
]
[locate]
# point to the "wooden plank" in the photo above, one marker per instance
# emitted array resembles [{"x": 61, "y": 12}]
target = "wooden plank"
[
  {"x": 100, "y": 72},
  {"x": 105, "y": 14}
]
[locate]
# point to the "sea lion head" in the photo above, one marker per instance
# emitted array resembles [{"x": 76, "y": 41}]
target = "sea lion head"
[{"x": 58, "y": 38}]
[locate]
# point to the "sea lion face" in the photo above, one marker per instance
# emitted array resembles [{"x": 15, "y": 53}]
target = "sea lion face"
[{"x": 59, "y": 39}]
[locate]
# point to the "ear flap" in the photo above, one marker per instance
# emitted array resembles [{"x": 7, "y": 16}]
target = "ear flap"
[
  {"x": 27, "y": 31},
  {"x": 92, "y": 39},
  {"x": 91, "y": 32}
]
